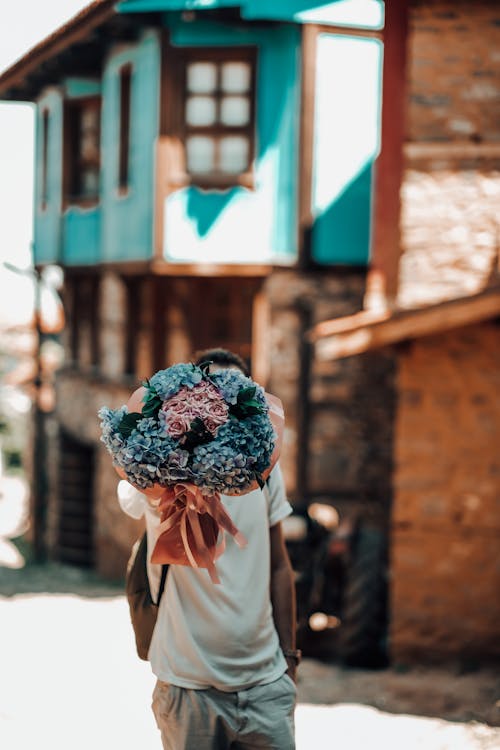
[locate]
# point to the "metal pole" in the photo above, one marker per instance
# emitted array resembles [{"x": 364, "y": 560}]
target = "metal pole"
[{"x": 39, "y": 489}]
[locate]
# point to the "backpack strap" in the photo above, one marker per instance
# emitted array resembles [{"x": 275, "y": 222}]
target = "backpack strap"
[{"x": 164, "y": 571}]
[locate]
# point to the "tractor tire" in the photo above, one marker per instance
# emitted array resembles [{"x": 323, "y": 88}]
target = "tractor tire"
[{"x": 362, "y": 633}]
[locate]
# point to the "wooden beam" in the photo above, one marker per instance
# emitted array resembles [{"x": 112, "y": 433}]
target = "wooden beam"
[
  {"x": 345, "y": 337},
  {"x": 261, "y": 315},
  {"x": 210, "y": 269},
  {"x": 382, "y": 282}
]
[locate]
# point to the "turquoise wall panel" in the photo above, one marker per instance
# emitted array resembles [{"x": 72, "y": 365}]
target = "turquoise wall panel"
[
  {"x": 238, "y": 224},
  {"x": 75, "y": 88},
  {"x": 127, "y": 224},
  {"x": 346, "y": 143},
  {"x": 81, "y": 232},
  {"x": 47, "y": 220}
]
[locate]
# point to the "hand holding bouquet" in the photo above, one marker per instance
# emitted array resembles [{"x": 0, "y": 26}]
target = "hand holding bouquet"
[{"x": 185, "y": 437}]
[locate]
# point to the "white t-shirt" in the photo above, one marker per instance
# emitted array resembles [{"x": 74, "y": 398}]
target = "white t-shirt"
[{"x": 222, "y": 635}]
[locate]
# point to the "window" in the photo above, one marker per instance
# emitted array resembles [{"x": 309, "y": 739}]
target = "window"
[
  {"x": 214, "y": 113},
  {"x": 45, "y": 157},
  {"x": 124, "y": 148},
  {"x": 218, "y": 115},
  {"x": 82, "y": 150}
]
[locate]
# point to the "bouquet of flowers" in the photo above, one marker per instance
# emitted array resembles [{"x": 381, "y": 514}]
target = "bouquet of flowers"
[{"x": 185, "y": 437}]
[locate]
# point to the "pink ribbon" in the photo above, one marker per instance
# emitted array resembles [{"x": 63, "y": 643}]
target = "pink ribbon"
[{"x": 189, "y": 502}]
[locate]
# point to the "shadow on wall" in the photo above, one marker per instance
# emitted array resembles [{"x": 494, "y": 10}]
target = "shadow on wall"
[
  {"x": 205, "y": 206},
  {"x": 345, "y": 223}
]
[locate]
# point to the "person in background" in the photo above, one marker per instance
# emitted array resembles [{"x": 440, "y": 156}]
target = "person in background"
[{"x": 224, "y": 655}]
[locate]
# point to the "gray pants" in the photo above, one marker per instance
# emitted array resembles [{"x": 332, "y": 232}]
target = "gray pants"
[{"x": 260, "y": 717}]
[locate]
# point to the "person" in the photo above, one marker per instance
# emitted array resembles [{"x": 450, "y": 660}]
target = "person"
[{"x": 224, "y": 654}]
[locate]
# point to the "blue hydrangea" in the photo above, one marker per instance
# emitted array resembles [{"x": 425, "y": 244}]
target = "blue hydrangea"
[
  {"x": 230, "y": 382},
  {"x": 168, "y": 382},
  {"x": 148, "y": 455}
]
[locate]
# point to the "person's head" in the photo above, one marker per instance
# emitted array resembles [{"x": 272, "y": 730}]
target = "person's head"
[{"x": 222, "y": 359}]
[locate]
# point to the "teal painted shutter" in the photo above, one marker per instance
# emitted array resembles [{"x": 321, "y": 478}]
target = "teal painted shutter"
[{"x": 346, "y": 143}]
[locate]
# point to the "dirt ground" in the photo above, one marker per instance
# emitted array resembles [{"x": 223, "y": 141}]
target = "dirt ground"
[
  {"x": 69, "y": 671},
  {"x": 69, "y": 676}
]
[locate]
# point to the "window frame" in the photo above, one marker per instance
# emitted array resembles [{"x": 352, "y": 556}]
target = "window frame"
[
  {"x": 70, "y": 155},
  {"x": 125, "y": 113},
  {"x": 174, "y": 118}
]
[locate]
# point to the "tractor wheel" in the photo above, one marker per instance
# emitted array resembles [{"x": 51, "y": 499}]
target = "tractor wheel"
[{"x": 364, "y": 610}]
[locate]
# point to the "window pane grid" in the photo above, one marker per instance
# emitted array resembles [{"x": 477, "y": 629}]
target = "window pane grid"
[{"x": 218, "y": 116}]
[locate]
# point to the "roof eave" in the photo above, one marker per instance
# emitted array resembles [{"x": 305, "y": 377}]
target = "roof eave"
[
  {"x": 365, "y": 331},
  {"x": 14, "y": 82}
]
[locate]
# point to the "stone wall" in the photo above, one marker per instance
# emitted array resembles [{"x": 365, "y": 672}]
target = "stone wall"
[
  {"x": 79, "y": 397},
  {"x": 445, "y": 568},
  {"x": 451, "y": 187},
  {"x": 454, "y": 71},
  {"x": 339, "y": 414}
]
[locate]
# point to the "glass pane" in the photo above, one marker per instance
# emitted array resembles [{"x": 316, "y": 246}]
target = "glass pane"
[
  {"x": 89, "y": 119},
  {"x": 88, "y": 136},
  {"x": 89, "y": 147},
  {"x": 201, "y": 77},
  {"x": 236, "y": 77},
  {"x": 200, "y": 154},
  {"x": 233, "y": 154},
  {"x": 200, "y": 110},
  {"x": 235, "y": 110},
  {"x": 90, "y": 183}
]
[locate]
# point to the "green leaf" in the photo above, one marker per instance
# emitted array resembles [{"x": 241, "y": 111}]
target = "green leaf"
[
  {"x": 254, "y": 404},
  {"x": 205, "y": 366},
  {"x": 247, "y": 394},
  {"x": 128, "y": 423},
  {"x": 152, "y": 407},
  {"x": 242, "y": 411}
]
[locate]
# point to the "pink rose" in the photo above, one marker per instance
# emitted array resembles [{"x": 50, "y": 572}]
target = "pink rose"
[
  {"x": 215, "y": 414},
  {"x": 211, "y": 425},
  {"x": 205, "y": 391},
  {"x": 201, "y": 392},
  {"x": 218, "y": 410},
  {"x": 203, "y": 401},
  {"x": 177, "y": 425},
  {"x": 175, "y": 406}
]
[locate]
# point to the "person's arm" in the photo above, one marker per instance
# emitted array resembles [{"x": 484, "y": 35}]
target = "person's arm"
[{"x": 283, "y": 596}]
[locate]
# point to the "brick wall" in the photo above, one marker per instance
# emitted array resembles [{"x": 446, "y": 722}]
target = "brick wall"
[
  {"x": 80, "y": 392},
  {"x": 445, "y": 569},
  {"x": 451, "y": 187}
]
